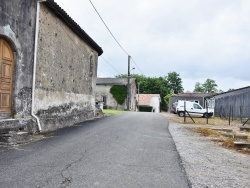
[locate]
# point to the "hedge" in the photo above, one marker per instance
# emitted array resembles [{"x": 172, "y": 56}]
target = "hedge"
[{"x": 145, "y": 108}]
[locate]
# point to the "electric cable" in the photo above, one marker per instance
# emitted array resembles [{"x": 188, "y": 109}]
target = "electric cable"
[
  {"x": 114, "y": 36},
  {"x": 111, "y": 65},
  {"x": 108, "y": 28}
]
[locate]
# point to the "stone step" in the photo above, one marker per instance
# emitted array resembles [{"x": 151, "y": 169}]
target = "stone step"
[
  {"x": 8, "y": 125},
  {"x": 28, "y": 124},
  {"x": 14, "y": 137},
  {"x": 245, "y": 128},
  {"x": 223, "y": 129},
  {"x": 242, "y": 144},
  {"x": 236, "y": 136}
]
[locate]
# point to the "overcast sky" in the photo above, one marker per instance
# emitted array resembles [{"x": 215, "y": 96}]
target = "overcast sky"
[{"x": 198, "y": 39}]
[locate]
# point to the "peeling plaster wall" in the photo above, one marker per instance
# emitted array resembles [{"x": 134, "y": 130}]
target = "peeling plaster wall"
[
  {"x": 17, "y": 26},
  {"x": 65, "y": 74}
]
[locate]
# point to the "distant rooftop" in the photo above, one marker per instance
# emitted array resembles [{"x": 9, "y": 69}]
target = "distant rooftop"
[
  {"x": 231, "y": 91},
  {"x": 114, "y": 81},
  {"x": 145, "y": 99},
  {"x": 196, "y": 94}
]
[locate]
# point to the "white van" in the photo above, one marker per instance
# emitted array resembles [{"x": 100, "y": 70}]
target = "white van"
[{"x": 192, "y": 108}]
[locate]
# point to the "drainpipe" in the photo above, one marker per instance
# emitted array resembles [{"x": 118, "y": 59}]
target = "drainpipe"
[{"x": 35, "y": 62}]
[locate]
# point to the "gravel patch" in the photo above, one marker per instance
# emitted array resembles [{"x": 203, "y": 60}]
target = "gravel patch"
[{"x": 207, "y": 164}]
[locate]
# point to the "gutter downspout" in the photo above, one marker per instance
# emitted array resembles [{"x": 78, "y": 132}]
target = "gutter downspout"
[{"x": 35, "y": 62}]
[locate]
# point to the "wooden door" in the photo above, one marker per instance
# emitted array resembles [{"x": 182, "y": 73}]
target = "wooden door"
[{"x": 6, "y": 76}]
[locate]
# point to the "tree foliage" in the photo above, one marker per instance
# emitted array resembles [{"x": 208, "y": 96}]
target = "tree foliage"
[
  {"x": 158, "y": 85},
  {"x": 198, "y": 87},
  {"x": 209, "y": 86},
  {"x": 119, "y": 93},
  {"x": 174, "y": 82},
  {"x": 167, "y": 97}
]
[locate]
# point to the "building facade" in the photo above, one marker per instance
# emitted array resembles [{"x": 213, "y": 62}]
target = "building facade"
[
  {"x": 235, "y": 102},
  {"x": 49, "y": 66},
  {"x": 103, "y": 86}
]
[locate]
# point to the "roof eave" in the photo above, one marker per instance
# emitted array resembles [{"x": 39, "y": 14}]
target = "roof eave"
[{"x": 73, "y": 25}]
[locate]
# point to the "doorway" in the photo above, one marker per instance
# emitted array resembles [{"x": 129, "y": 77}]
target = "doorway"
[{"x": 6, "y": 77}]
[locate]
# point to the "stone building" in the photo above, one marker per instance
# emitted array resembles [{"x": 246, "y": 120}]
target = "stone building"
[
  {"x": 103, "y": 86},
  {"x": 48, "y": 67}
]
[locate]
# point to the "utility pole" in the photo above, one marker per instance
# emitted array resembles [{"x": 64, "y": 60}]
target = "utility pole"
[
  {"x": 138, "y": 105},
  {"x": 128, "y": 85}
]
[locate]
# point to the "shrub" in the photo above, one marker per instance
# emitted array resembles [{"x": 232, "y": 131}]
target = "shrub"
[{"x": 145, "y": 108}]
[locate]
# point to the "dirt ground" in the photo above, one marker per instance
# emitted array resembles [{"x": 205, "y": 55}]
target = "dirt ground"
[{"x": 214, "y": 129}]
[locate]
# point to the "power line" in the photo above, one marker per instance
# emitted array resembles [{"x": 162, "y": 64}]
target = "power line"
[
  {"x": 113, "y": 35},
  {"x": 110, "y": 65},
  {"x": 108, "y": 28},
  {"x": 78, "y": 47},
  {"x": 137, "y": 66}
]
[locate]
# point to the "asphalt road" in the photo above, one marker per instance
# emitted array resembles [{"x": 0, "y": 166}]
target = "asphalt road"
[{"x": 134, "y": 149}]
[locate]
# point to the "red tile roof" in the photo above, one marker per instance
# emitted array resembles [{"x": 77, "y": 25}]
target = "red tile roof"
[{"x": 144, "y": 99}]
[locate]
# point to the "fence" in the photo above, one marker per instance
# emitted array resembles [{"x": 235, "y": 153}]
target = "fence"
[{"x": 232, "y": 113}]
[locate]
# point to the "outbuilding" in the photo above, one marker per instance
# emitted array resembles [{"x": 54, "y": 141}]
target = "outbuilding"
[
  {"x": 153, "y": 100},
  {"x": 235, "y": 103},
  {"x": 198, "y": 97}
]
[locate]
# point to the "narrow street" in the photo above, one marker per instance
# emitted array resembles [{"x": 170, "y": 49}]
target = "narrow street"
[{"x": 127, "y": 150}]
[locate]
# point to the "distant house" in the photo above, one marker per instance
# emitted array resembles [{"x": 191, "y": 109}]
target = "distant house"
[
  {"x": 237, "y": 100},
  {"x": 153, "y": 100},
  {"x": 103, "y": 86},
  {"x": 48, "y": 67},
  {"x": 195, "y": 97}
]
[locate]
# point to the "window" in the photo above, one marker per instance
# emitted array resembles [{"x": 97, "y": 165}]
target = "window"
[
  {"x": 91, "y": 66},
  {"x": 196, "y": 106},
  {"x": 104, "y": 99},
  {"x": 195, "y": 101}
]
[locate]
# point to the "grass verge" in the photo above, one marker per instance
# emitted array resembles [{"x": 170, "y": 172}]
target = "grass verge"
[{"x": 112, "y": 112}]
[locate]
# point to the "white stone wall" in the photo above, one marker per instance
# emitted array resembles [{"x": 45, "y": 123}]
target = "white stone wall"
[{"x": 155, "y": 103}]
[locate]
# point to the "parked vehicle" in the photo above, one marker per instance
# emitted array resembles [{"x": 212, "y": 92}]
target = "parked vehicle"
[
  {"x": 173, "y": 107},
  {"x": 192, "y": 108}
]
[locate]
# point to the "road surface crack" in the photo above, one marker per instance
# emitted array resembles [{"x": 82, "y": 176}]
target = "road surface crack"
[{"x": 67, "y": 179}]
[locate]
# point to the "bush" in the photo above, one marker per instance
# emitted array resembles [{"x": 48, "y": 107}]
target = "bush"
[{"x": 145, "y": 108}]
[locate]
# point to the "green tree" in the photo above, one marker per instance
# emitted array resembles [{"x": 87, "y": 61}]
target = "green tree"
[
  {"x": 164, "y": 86},
  {"x": 151, "y": 85},
  {"x": 210, "y": 86},
  {"x": 166, "y": 99},
  {"x": 174, "y": 82},
  {"x": 198, "y": 87},
  {"x": 220, "y": 91}
]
